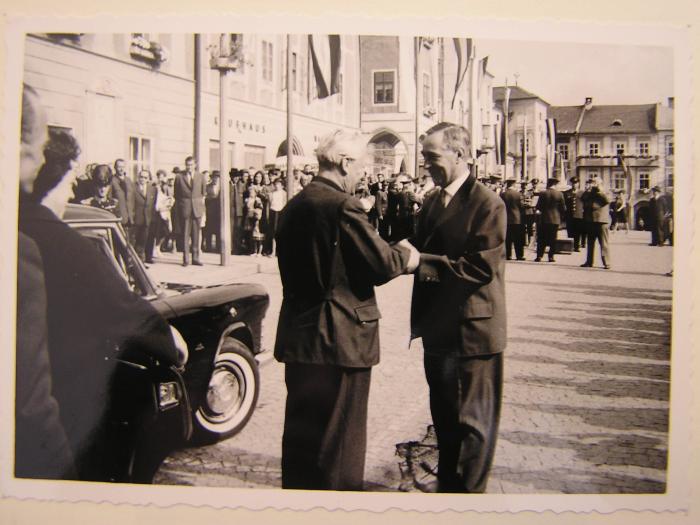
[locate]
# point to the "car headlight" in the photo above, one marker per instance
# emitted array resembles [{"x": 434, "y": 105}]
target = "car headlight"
[{"x": 181, "y": 346}]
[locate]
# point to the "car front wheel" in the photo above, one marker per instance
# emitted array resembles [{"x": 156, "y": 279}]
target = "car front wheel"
[{"x": 231, "y": 395}]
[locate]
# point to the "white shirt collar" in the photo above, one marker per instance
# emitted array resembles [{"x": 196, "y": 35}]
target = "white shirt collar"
[{"x": 453, "y": 187}]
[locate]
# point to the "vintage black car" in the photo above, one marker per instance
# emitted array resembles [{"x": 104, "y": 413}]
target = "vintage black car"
[{"x": 221, "y": 326}]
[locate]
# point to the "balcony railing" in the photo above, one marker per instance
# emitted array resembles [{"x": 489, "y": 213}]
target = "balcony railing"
[{"x": 634, "y": 161}]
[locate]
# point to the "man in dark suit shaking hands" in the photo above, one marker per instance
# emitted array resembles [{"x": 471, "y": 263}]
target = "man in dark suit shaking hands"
[
  {"x": 190, "y": 192},
  {"x": 458, "y": 308},
  {"x": 330, "y": 259}
]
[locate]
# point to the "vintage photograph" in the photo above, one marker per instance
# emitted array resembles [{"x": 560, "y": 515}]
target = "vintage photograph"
[{"x": 343, "y": 262}]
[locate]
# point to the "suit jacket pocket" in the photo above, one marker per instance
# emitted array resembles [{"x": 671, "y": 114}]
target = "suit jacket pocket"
[
  {"x": 367, "y": 313},
  {"x": 478, "y": 310}
]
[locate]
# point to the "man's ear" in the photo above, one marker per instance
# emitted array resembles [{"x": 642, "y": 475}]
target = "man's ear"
[{"x": 344, "y": 161}]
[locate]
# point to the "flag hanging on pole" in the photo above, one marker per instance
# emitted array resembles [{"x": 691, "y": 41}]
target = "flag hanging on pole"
[
  {"x": 463, "y": 49},
  {"x": 325, "y": 56},
  {"x": 551, "y": 144},
  {"x": 498, "y": 136},
  {"x": 474, "y": 107},
  {"x": 524, "y": 152},
  {"x": 504, "y": 126}
]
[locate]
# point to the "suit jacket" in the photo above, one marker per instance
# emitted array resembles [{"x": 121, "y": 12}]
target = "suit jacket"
[
  {"x": 144, "y": 205},
  {"x": 330, "y": 260},
  {"x": 458, "y": 290},
  {"x": 552, "y": 206},
  {"x": 381, "y": 203},
  {"x": 657, "y": 209},
  {"x": 596, "y": 207},
  {"x": 189, "y": 198},
  {"x": 93, "y": 317},
  {"x": 124, "y": 191},
  {"x": 41, "y": 445},
  {"x": 514, "y": 206}
]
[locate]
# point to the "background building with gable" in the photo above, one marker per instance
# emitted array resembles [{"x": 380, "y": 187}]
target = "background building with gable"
[{"x": 629, "y": 147}]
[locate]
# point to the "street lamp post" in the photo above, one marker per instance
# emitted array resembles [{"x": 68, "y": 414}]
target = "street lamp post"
[{"x": 226, "y": 61}]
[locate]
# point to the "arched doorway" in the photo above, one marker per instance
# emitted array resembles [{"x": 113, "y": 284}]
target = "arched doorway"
[
  {"x": 641, "y": 216},
  {"x": 388, "y": 152},
  {"x": 296, "y": 148}
]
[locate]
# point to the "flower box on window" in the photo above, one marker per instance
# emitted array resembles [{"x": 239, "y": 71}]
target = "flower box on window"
[{"x": 148, "y": 51}]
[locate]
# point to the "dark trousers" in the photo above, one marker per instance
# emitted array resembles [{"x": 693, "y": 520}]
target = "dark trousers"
[
  {"x": 579, "y": 234},
  {"x": 237, "y": 233},
  {"x": 325, "y": 427},
  {"x": 515, "y": 235},
  {"x": 658, "y": 237},
  {"x": 190, "y": 238},
  {"x": 465, "y": 403},
  {"x": 547, "y": 236},
  {"x": 140, "y": 237},
  {"x": 598, "y": 231}
]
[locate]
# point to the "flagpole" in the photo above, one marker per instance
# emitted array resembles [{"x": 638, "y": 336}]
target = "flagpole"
[
  {"x": 506, "y": 96},
  {"x": 290, "y": 152},
  {"x": 416, "y": 45},
  {"x": 224, "y": 195},
  {"x": 524, "y": 166}
]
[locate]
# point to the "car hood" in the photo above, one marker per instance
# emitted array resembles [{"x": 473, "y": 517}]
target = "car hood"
[{"x": 184, "y": 299}]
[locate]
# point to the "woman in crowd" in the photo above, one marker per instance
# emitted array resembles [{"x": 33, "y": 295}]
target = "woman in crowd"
[{"x": 253, "y": 215}]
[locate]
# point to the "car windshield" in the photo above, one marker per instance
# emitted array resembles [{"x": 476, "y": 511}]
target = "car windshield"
[{"x": 114, "y": 249}]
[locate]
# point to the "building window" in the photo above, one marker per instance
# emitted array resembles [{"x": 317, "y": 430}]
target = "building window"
[
  {"x": 669, "y": 147},
  {"x": 643, "y": 149},
  {"x": 294, "y": 71},
  {"x": 594, "y": 149},
  {"x": 644, "y": 181},
  {"x": 427, "y": 90},
  {"x": 619, "y": 181},
  {"x": 564, "y": 151},
  {"x": 140, "y": 155},
  {"x": 527, "y": 144},
  {"x": 267, "y": 60},
  {"x": 254, "y": 156},
  {"x": 592, "y": 174},
  {"x": 384, "y": 87},
  {"x": 620, "y": 148},
  {"x": 669, "y": 179}
]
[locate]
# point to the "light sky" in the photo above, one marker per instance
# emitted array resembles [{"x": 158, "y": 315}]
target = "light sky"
[{"x": 564, "y": 74}]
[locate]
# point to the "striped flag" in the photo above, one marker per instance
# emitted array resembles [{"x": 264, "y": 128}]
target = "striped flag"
[
  {"x": 325, "y": 56},
  {"x": 464, "y": 50},
  {"x": 504, "y": 126}
]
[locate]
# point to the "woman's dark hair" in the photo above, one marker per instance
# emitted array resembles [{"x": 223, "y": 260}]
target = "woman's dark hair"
[
  {"x": 59, "y": 151},
  {"x": 102, "y": 176}
]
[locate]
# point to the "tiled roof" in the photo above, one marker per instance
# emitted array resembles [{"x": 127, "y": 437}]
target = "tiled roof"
[
  {"x": 516, "y": 93},
  {"x": 637, "y": 118}
]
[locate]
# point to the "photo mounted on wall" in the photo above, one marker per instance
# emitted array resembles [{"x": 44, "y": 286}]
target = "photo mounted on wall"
[{"x": 353, "y": 261}]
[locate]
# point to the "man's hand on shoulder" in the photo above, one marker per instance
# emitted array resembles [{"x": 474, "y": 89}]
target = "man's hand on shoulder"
[{"x": 413, "y": 258}]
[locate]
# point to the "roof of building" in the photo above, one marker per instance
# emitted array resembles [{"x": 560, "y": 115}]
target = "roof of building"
[
  {"x": 516, "y": 93},
  {"x": 636, "y": 118}
]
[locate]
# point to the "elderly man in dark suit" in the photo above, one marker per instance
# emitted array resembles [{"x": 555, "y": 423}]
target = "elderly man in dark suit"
[
  {"x": 144, "y": 209},
  {"x": 123, "y": 190},
  {"x": 330, "y": 260},
  {"x": 550, "y": 209},
  {"x": 190, "y": 192},
  {"x": 596, "y": 214},
  {"x": 515, "y": 214},
  {"x": 459, "y": 310},
  {"x": 657, "y": 215}
]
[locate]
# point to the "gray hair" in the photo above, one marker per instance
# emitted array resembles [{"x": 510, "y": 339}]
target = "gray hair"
[
  {"x": 454, "y": 137},
  {"x": 340, "y": 144}
]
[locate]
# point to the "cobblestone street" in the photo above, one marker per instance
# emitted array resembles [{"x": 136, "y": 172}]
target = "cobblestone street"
[{"x": 586, "y": 392}]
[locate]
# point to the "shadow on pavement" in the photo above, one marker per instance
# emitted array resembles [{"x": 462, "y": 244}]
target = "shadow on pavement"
[{"x": 599, "y": 448}]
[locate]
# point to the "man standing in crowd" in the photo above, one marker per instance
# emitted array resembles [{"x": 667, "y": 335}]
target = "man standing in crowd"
[
  {"x": 657, "y": 217},
  {"x": 550, "y": 209},
  {"x": 123, "y": 190},
  {"x": 237, "y": 204},
  {"x": 515, "y": 214},
  {"x": 596, "y": 214},
  {"x": 458, "y": 308},
  {"x": 330, "y": 259},
  {"x": 190, "y": 191},
  {"x": 144, "y": 209},
  {"x": 574, "y": 214}
]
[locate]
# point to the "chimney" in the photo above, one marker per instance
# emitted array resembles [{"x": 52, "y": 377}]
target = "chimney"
[{"x": 671, "y": 102}]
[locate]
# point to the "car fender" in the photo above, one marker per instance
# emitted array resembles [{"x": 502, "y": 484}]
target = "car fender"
[{"x": 245, "y": 336}]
